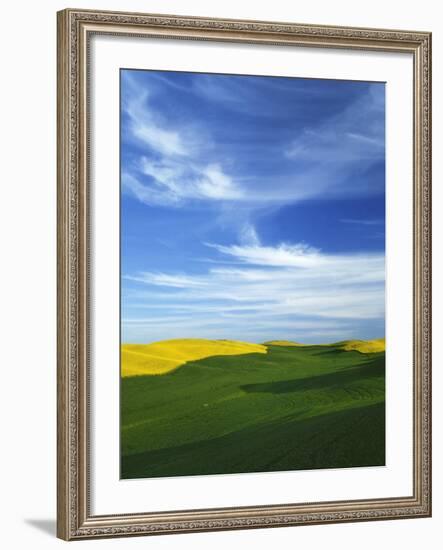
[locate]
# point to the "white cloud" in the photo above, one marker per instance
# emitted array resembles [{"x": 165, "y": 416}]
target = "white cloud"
[
  {"x": 164, "y": 279},
  {"x": 248, "y": 235},
  {"x": 171, "y": 182},
  {"x": 174, "y": 169},
  {"x": 157, "y": 138},
  {"x": 355, "y": 135},
  {"x": 154, "y": 134},
  {"x": 215, "y": 184},
  {"x": 362, "y": 221},
  {"x": 290, "y": 288},
  {"x": 377, "y": 141},
  {"x": 284, "y": 255},
  {"x": 144, "y": 193}
]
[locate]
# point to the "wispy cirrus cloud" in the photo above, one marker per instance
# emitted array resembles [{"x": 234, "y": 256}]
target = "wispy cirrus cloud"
[
  {"x": 284, "y": 255},
  {"x": 167, "y": 280},
  {"x": 362, "y": 221},
  {"x": 289, "y": 287},
  {"x": 149, "y": 126},
  {"x": 248, "y": 235},
  {"x": 187, "y": 159},
  {"x": 186, "y": 180},
  {"x": 355, "y": 135},
  {"x": 174, "y": 171}
]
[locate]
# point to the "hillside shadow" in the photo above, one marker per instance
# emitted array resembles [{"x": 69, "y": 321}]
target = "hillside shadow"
[
  {"x": 340, "y": 378},
  {"x": 333, "y": 351},
  {"x": 353, "y": 437}
]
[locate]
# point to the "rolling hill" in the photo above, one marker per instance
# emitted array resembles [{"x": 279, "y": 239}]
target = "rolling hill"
[
  {"x": 167, "y": 355},
  {"x": 235, "y": 407},
  {"x": 363, "y": 346}
]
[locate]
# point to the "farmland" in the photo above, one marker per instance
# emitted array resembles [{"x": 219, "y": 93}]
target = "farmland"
[{"x": 193, "y": 407}]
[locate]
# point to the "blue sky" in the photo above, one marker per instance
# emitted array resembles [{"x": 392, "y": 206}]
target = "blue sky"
[{"x": 252, "y": 208}]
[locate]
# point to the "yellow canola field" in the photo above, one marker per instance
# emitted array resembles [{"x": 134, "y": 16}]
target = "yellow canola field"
[
  {"x": 167, "y": 355},
  {"x": 364, "y": 346}
]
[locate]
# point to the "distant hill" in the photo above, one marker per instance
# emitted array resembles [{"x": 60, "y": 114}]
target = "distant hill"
[
  {"x": 363, "y": 346},
  {"x": 282, "y": 343},
  {"x": 167, "y": 355}
]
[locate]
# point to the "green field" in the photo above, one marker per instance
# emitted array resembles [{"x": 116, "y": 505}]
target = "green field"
[{"x": 293, "y": 407}]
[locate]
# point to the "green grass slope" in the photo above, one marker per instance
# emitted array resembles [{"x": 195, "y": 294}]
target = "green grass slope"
[{"x": 292, "y": 408}]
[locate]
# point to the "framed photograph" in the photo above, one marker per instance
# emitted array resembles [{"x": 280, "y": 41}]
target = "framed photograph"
[{"x": 243, "y": 274}]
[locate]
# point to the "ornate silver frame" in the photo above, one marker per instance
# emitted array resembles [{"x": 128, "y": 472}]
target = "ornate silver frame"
[{"x": 75, "y": 27}]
